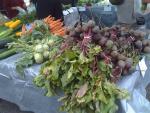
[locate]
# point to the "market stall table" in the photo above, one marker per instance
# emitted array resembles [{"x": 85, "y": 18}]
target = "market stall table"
[
  {"x": 29, "y": 98},
  {"x": 22, "y": 91}
]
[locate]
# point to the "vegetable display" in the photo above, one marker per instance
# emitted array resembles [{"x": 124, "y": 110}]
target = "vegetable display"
[
  {"x": 121, "y": 47},
  {"x": 88, "y": 64},
  {"x": 84, "y": 61},
  {"x": 36, "y": 45}
]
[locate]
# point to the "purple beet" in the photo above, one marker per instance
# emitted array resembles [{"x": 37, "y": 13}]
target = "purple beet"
[
  {"x": 121, "y": 64},
  {"x": 138, "y": 44},
  {"x": 103, "y": 41}
]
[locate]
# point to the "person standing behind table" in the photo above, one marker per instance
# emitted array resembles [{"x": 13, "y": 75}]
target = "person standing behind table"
[
  {"x": 45, "y": 8},
  {"x": 7, "y": 7}
]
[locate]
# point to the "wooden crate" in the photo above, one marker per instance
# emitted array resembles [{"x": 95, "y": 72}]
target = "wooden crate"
[{"x": 146, "y": 1}]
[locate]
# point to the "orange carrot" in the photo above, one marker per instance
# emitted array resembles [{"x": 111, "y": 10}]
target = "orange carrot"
[
  {"x": 56, "y": 26},
  {"x": 60, "y": 33},
  {"x": 56, "y": 29}
]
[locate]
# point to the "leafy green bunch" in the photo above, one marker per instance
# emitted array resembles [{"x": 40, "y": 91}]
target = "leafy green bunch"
[{"x": 83, "y": 78}]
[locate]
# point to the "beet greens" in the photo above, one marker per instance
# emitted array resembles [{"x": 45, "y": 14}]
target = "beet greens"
[{"x": 88, "y": 64}]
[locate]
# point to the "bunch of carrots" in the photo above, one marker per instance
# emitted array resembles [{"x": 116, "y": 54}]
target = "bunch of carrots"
[{"x": 56, "y": 26}]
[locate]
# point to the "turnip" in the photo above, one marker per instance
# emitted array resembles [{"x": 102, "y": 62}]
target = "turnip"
[
  {"x": 39, "y": 48},
  {"x": 38, "y": 58},
  {"x": 43, "y": 41},
  {"x": 45, "y": 47},
  {"x": 46, "y": 54},
  {"x": 37, "y": 41},
  {"x": 51, "y": 43}
]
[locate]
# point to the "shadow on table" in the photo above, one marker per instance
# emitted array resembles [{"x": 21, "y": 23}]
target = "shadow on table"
[{"x": 7, "y": 107}]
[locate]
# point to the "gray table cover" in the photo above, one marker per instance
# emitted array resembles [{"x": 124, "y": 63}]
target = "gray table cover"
[{"x": 22, "y": 91}]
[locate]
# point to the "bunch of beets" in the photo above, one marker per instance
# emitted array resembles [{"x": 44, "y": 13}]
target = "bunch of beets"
[{"x": 120, "y": 45}]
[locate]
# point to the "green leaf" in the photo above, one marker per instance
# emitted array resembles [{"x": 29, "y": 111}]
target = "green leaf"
[
  {"x": 39, "y": 81},
  {"x": 70, "y": 72},
  {"x": 102, "y": 66},
  {"x": 97, "y": 105},
  {"x": 67, "y": 77},
  {"x": 70, "y": 55},
  {"x": 24, "y": 62},
  {"x": 83, "y": 59},
  {"x": 49, "y": 89},
  {"x": 65, "y": 81},
  {"x": 81, "y": 100},
  {"x": 91, "y": 107},
  {"x": 95, "y": 50},
  {"x": 110, "y": 107},
  {"x": 54, "y": 71},
  {"x": 85, "y": 69},
  {"x": 101, "y": 95}
]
